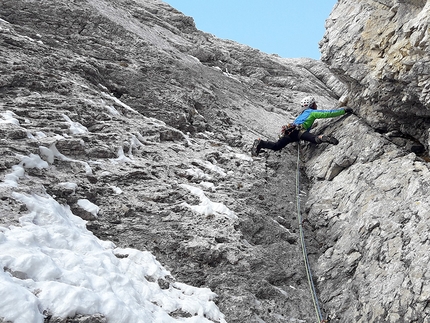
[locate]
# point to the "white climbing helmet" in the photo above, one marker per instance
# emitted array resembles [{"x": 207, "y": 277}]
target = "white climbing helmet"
[{"x": 307, "y": 101}]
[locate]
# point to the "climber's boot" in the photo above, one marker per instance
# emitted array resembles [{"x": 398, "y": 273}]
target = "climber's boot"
[{"x": 331, "y": 140}]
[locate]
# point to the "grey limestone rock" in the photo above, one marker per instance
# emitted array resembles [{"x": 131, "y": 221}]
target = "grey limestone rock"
[
  {"x": 132, "y": 109},
  {"x": 380, "y": 50}
]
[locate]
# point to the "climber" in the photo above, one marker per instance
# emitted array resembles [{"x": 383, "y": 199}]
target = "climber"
[{"x": 299, "y": 129}]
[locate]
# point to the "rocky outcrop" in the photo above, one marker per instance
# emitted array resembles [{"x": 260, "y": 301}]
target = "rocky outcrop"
[
  {"x": 370, "y": 202},
  {"x": 369, "y": 195},
  {"x": 380, "y": 50}
]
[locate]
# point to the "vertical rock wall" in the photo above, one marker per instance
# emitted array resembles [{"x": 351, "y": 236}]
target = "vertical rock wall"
[
  {"x": 369, "y": 203},
  {"x": 369, "y": 196},
  {"x": 380, "y": 49}
]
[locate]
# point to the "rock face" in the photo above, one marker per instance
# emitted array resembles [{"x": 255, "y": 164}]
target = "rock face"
[
  {"x": 149, "y": 119},
  {"x": 374, "y": 211},
  {"x": 370, "y": 203},
  {"x": 142, "y": 115},
  {"x": 380, "y": 49}
]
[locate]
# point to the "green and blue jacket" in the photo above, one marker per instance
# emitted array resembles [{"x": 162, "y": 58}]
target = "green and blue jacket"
[{"x": 308, "y": 116}]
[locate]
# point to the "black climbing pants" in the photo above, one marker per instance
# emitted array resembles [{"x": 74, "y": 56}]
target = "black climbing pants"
[{"x": 285, "y": 140}]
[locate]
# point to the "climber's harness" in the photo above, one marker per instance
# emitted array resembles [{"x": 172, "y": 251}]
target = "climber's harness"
[{"x": 289, "y": 128}]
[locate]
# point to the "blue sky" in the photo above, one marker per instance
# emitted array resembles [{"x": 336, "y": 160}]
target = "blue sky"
[{"x": 289, "y": 28}]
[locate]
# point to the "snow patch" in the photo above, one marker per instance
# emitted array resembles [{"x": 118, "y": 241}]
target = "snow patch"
[
  {"x": 75, "y": 127},
  {"x": 122, "y": 158},
  {"x": 52, "y": 152},
  {"x": 18, "y": 171},
  {"x": 53, "y": 264},
  {"x": 208, "y": 185},
  {"x": 206, "y": 206},
  {"x": 88, "y": 206},
  {"x": 116, "y": 190},
  {"x": 119, "y": 102},
  {"x": 8, "y": 117},
  {"x": 208, "y": 165},
  {"x": 197, "y": 173}
]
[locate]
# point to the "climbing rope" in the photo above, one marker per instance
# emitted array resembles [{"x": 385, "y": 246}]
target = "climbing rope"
[{"x": 302, "y": 241}]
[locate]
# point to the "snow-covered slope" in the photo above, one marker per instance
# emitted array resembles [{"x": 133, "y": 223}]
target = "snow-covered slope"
[{"x": 54, "y": 266}]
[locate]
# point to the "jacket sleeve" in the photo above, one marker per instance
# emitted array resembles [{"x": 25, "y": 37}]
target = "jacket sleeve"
[{"x": 322, "y": 114}]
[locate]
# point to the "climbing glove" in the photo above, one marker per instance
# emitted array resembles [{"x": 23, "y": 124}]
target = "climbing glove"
[{"x": 348, "y": 110}]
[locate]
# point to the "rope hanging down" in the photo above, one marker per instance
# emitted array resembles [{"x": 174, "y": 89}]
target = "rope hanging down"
[{"x": 302, "y": 241}]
